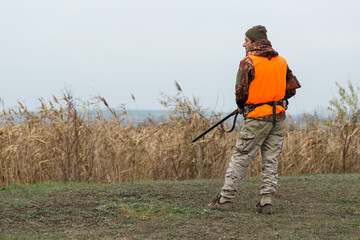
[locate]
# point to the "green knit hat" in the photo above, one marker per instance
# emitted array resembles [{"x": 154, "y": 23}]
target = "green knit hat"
[{"x": 257, "y": 32}]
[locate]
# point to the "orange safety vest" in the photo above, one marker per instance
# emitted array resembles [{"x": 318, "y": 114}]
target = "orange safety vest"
[{"x": 268, "y": 85}]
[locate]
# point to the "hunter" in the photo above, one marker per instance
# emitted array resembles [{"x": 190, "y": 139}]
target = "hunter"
[{"x": 261, "y": 96}]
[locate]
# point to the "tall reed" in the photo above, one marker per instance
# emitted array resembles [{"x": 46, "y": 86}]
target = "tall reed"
[{"x": 65, "y": 141}]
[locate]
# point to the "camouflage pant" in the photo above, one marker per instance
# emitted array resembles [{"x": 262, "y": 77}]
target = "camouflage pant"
[{"x": 256, "y": 134}]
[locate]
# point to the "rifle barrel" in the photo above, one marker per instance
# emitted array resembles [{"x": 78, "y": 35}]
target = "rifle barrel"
[{"x": 215, "y": 125}]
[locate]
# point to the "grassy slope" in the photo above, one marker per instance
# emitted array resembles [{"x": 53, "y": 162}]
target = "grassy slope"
[{"x": 307, "y": 207}]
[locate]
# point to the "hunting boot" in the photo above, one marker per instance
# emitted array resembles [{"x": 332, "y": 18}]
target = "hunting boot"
[
  {"x": 220, "y": 203},
  {"x": 264, "y": 206}
]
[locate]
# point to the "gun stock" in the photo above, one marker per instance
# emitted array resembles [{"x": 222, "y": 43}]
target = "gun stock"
[
  {"x": 292, "y": 83},
  {"x": 215, "y": 125}
]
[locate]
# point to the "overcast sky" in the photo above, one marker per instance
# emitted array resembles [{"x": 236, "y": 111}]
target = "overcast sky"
[{"x": 118, "y": 48}]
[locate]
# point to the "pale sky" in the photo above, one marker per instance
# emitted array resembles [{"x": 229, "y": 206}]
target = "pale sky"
[{"x": 118, "y": 48}]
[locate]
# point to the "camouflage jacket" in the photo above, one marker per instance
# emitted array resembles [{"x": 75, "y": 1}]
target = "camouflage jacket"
[{"x": 246, "y": 75}]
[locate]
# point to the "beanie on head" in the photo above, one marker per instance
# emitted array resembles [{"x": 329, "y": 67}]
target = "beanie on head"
[{"x": 257, "y": 32}]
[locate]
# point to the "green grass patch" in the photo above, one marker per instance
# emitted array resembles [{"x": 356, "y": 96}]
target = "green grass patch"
[{"x": 305, "y": 207}]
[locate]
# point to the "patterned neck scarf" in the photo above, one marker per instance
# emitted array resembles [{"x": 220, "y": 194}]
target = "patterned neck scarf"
[{"x": 262, "y": 48}]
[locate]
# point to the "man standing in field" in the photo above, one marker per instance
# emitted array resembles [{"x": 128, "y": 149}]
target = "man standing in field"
[{"x": 262, "y": 89}]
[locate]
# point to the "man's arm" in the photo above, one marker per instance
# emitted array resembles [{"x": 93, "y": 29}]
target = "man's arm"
[{"x": 243, "y": 79}]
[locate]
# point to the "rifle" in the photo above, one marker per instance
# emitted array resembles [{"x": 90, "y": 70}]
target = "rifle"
[
  {"x": 235, "y": 112},
  {"x": 291, "y": 84}
]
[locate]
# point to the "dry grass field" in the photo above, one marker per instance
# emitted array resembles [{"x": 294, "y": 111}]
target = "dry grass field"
[{"x": 65, "y": 141}]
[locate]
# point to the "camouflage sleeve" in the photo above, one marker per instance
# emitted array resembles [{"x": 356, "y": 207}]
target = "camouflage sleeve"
[
  {"x": 289, "y": 93},
  {"x": 244, "y": 77}
]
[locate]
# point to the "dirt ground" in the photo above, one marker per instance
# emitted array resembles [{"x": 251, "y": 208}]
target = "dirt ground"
[{"x": 305, "y": 207}]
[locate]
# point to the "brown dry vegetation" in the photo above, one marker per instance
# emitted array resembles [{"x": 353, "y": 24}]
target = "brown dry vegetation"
[{"x": 61, "y": 143}]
